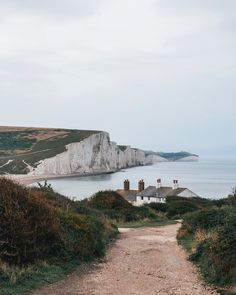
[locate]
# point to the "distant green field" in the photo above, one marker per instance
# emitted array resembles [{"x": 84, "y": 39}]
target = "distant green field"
[{"x": 32, "y": 145}]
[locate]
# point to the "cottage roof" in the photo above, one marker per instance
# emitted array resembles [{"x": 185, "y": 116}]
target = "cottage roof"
[
  {"x": 164, "y": 190},
  {"x": 179, "y": 190},
  {"x": 150, "y": 191},
  {"x": 129, "y": 195},
  {"x": 161, "y": 192},
  {"x": 176, "y": 192}
]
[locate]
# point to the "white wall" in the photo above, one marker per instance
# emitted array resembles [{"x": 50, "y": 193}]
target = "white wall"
[{"x": 147, "y": 200}]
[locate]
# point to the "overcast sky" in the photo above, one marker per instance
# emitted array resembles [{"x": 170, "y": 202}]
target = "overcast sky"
[{"x": 156, "y": 74}]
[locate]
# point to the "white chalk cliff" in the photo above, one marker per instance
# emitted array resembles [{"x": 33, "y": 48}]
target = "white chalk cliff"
[
  {"x": 188, "y": 159},
  {"x": 94, "y": 154}
]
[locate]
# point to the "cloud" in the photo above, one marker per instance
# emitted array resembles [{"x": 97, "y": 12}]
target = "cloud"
[
  {"x": 54, "y": 8},
  {"x": 133, "y": 65}
]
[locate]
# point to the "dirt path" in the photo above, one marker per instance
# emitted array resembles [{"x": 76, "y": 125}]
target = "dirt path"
[{"x": 143, "y": 261}]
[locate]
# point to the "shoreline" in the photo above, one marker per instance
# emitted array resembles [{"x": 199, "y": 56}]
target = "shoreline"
[{"x": 25, "y": 179}]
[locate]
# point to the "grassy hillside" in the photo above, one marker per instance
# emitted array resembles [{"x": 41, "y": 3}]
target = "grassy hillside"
[{"x": 20, "y": 146}]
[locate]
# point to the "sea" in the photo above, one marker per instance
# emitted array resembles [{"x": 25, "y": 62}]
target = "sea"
[{"x": 209, "y": 178}]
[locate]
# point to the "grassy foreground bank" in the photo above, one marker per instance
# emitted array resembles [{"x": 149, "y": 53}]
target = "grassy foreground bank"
[
  {"x": 44, "y": 236},
  {"x": 209, "y": 235}
]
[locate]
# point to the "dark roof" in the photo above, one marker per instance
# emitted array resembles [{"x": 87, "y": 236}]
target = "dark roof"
[
  {"x": 179, "y": 190},
  {"x": 129, "y": 195},
  {"x": 164, "y": 190},
  {"x": 176, "y": 192},
  {"x": 150, "y": 191}
]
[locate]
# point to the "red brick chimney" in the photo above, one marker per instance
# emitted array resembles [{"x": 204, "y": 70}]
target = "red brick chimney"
[
  {"x": 126, "y": 185},
  {"x": 141, "y": 185}
]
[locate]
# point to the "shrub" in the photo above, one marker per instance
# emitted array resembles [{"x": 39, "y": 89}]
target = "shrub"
[
  {"x": 37, "y": 224},
  {"x": 108, "y": 200},
  {"x": 207, "y": 219},
  {"x": 161, "y": 207},
  {"x": 29, "y": 226},
  {"x": 217, "y": 255},
  {"x": 179, "y": 208},
  {"x": 83, "y": 236},
  {"x": 215, "y": 236}
]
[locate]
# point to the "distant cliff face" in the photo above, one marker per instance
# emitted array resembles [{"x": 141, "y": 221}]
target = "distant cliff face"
[
  {"x": 151, "y": 159},
  {"x": 50, "y": 151},
  {"x": 192, "y": 158},
  {"x": 94, "y": 154}
]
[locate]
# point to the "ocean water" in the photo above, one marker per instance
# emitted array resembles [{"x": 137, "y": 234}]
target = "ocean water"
[{"x": 208, "y": 178}]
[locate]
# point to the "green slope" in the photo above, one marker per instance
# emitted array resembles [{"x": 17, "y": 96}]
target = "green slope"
[{"x": 30, "y": 145}]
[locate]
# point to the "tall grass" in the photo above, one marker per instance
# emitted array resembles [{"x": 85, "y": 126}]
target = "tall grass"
[
  {"x": 42, "y": 232},
  {"x": 213, "y": 234}
]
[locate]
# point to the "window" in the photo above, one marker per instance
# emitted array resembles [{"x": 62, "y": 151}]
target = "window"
[
  {"x": 142, "y": 198},
  {"x": 148, "y": 198}
]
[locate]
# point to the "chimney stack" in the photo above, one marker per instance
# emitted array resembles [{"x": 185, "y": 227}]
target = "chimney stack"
[
  {"x": 158, "y": 182},
  {"x": 175, "y": 184},
  {"x": 141, "y": 185},
  {"x": 126, "y": 185}
]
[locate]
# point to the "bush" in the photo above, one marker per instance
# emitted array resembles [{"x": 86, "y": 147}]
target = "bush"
[
  {"x": 29, "y": 226},
  {"x": 207, "y": 219},
  {"x": 115, "y": 207},
  {"x": 215, "y": 252},
  {"x": 217, "y": 255},
  {"x": 178, "y": 209},
  {"x": 39, "y": 224},
  {"x": 161, "y": 207},
  {"x": 83, "y": 236},
  {"x": 108, "y": 200}
]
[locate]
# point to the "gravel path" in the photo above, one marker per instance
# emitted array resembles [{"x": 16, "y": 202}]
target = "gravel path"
[{"x": 143, "y": 261}]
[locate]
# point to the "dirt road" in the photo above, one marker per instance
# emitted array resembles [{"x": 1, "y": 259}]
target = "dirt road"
[{"x": 143, "y": 261}]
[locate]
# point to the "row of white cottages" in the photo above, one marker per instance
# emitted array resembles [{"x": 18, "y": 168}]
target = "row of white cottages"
[{"x": 153, "y": 194}]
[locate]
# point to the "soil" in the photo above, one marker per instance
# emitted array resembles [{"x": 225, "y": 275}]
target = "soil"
[{"x": 143, "y": 261}]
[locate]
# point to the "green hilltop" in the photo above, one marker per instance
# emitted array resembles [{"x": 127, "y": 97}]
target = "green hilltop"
[{"x": 20, "y": 145}]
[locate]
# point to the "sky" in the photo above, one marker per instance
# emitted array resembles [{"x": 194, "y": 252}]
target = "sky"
[{"x": 156, "y": 74}]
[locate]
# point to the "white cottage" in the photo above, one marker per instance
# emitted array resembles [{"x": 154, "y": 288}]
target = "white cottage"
[{"x": 153, "y": 194}]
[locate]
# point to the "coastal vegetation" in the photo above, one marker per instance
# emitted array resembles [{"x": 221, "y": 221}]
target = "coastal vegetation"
[
  {"x": 44, "y": 235},
  {"x": 209, "y": 235},
  {"x": 40, "y": 231},
  {"x": 177, "y": 207},
  {"x": 120, "y": 211}
]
